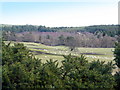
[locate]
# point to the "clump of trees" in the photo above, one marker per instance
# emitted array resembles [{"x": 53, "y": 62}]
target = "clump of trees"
[
  {"x": 22, "y": 70},
  {"x": 103, "y": 36},
  {"x": 72, "y": 40}
]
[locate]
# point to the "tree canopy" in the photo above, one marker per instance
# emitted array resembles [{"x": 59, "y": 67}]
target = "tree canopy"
[
  {"x": 22, "y": 70},
  {"x": 110, "y": 30}
]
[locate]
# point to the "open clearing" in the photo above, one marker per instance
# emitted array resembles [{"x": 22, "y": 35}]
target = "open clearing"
[{"x": 45, "y": 52}]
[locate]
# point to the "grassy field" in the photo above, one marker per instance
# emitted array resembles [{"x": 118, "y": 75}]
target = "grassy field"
[{"x": 56, "y": 52}]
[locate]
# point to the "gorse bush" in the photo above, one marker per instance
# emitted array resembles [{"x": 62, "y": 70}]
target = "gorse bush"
[{"x": 22, "y": 70}]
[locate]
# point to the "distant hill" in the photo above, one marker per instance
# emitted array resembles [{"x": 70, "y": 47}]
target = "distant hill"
[
  {"x": 89, "y": 36},
  {"x": 110, "y": 30}
]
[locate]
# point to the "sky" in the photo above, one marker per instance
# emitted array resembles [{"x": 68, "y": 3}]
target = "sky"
[{"x": 59, "y": 13}]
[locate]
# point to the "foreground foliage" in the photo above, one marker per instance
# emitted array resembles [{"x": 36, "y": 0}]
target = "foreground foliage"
[
  {"x": 22, "y": 70},
  {"x": 117, "y": 60}
]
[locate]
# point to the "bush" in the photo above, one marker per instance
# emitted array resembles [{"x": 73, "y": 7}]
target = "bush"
[
  {"x": 18, "y": 66},
  {"x": 22, "y": 70},
  {"x": 78, "y": 73}
]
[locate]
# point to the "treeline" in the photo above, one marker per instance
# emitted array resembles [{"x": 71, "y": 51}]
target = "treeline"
[
  {"x": 21, "y": 70},
  {"x": 103, "y": 36},
  {"x": 84, "y": 39},
  {"x": 110, "y": 30}
]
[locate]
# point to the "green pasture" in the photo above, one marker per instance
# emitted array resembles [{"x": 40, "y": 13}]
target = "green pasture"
[{"x": 45, "y": 52}]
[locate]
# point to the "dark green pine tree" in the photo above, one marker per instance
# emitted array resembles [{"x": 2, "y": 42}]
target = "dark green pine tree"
[
  {"x": 117, "y": 54},
  {"x": 117, "y": 60}
]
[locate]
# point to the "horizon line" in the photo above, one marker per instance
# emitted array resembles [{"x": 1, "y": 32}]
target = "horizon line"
[{"x": 59, "y": 26}]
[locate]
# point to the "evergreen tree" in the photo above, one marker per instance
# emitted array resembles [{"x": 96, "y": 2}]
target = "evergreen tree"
[
  {"x": 21, "y": 70},
  {"x": 117, "y": 54},
  {"x": 117, "y": 60}
]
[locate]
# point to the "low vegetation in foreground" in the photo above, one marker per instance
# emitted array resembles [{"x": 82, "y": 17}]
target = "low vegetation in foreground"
[{"x": 22, "y": 70}]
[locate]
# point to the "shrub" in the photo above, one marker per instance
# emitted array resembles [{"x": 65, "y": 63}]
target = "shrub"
[
  {"x": 78, "y": 73},
  {"x": 22, "y": 70}
]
